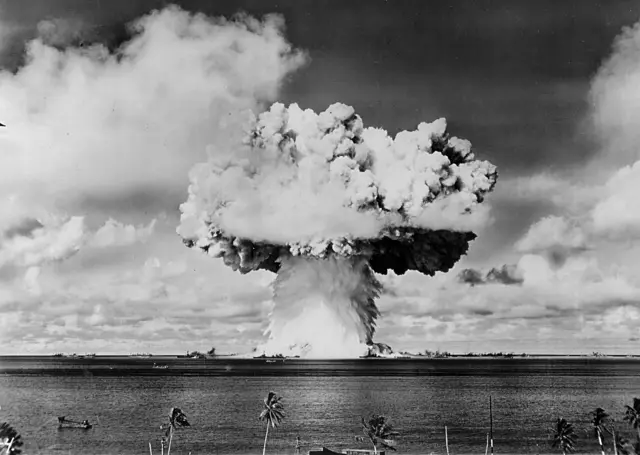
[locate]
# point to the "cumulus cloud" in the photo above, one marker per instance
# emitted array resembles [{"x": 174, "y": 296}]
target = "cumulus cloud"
[
  {"x": 145, "y": 304},
  {"x": 102, "y": 125},
  {"x": 580, "y": 288},
  {"x": 564, "y": 282},
  {"x": 90, "y": 131},
  {"x": 597, "y": 202},
  {"x": 115, "y": 233},
  {"x": 32, "y": 242},
  {"x": 555, "y": 236},
  {"x": 617, "y": 215},
  {"x": 615, "y": 99},
  {"x": 569, "y": 192}
]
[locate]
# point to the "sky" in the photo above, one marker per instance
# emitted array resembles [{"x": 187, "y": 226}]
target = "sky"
[{"x": 105, "y": 120}]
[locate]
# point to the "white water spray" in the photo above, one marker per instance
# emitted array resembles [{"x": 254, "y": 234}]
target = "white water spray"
[{"x": 323, "y": 308}]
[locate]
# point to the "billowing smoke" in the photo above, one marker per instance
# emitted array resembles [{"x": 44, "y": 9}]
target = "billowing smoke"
[{"x": 326, "y": 203}]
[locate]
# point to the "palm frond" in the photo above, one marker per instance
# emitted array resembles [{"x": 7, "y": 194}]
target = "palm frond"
[
  {"x": 632, "y": 414},
  {"x": 624, "y": 446},
  {"x": 599, "y": 420},
  {"x": 564, "y": 436},
  {"x": 10, "y": 439},
  {"x": 379, "y": 431},
  {"x": 273, "y": 412},
  {"x": 177, "y": 418}
]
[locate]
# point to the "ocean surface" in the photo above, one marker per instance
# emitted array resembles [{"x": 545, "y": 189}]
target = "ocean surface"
[{"x": 127, "y": 400}]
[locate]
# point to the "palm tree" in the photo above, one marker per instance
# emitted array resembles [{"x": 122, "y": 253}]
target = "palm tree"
[
  {"x": 632, "y": 415},
  {"x": 10, "y": 440},
  {"x": 379, "y": 431},
  {"x": 273, "y": 413},
  {"x": 624, "y": 446},
  {"x": 177, "y": 419},
  {"x": 598, "y": 418},
  {"x": 615, "y": 438},
  {"x": 564, "y": 437}
]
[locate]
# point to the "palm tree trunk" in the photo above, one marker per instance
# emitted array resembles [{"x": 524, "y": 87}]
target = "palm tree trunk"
[
  {"x": 446, "y": 439},
  {"x": 375, "y": 449},
  {"x": 264, "y": 447},
  {"x": 170, "y": 438},
  {"x": 615, "y": 443},
  {"x": 600, "y": 441},
  {"x": 150, "y": 449}
]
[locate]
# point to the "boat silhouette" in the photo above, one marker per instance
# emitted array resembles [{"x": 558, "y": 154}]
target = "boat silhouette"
[{"x": 63, "y": 422}]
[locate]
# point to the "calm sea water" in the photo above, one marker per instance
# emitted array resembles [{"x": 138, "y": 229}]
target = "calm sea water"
[{"x": 323, "y": 410}]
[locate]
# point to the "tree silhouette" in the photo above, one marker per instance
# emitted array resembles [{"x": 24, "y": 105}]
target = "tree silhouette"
[
  {"x": 273, "y": 414},
  {"x": 10, "y": 440},
  {"x": 564, "y": 436},
  {"x": 379, "y": 431},
  {"x": 177, "y": 419},
  {"x": 598, "y": 420},
  {"x": 632, "y": 415}
]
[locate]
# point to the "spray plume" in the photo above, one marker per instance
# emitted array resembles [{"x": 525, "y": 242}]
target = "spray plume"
[{"x": 326, "y": 203}]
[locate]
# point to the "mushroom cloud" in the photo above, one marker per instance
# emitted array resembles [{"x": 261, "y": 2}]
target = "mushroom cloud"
[{"x": 326, "y": 204}]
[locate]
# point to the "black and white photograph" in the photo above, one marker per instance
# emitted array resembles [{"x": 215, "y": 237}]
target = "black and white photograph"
[{"x": 356, "y": 227}]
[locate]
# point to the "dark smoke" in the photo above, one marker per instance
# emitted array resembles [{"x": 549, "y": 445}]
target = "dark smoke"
[{"x": 507, "y": 274}]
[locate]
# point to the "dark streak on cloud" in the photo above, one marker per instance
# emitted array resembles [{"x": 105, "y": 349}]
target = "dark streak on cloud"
[
  {"x": 507, "y": 274},
  {"x": 23, "y": 229}
]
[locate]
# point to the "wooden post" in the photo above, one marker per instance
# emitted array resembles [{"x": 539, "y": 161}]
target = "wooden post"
[
  {"x": 491, "y": 423},
  {"x": 446, "y": 439}
]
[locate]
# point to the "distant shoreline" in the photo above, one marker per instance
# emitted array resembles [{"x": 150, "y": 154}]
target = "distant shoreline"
[{"x": 247, "y": 357}]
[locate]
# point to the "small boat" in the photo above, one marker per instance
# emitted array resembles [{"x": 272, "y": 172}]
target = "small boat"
[
  {"x": 271, "y": 361},
  {"x": 63, "y": 422},
  {"x": 155, "y": 365}
]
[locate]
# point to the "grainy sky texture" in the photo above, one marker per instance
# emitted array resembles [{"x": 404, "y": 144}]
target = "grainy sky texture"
[{"x": 95, "y": 158}]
